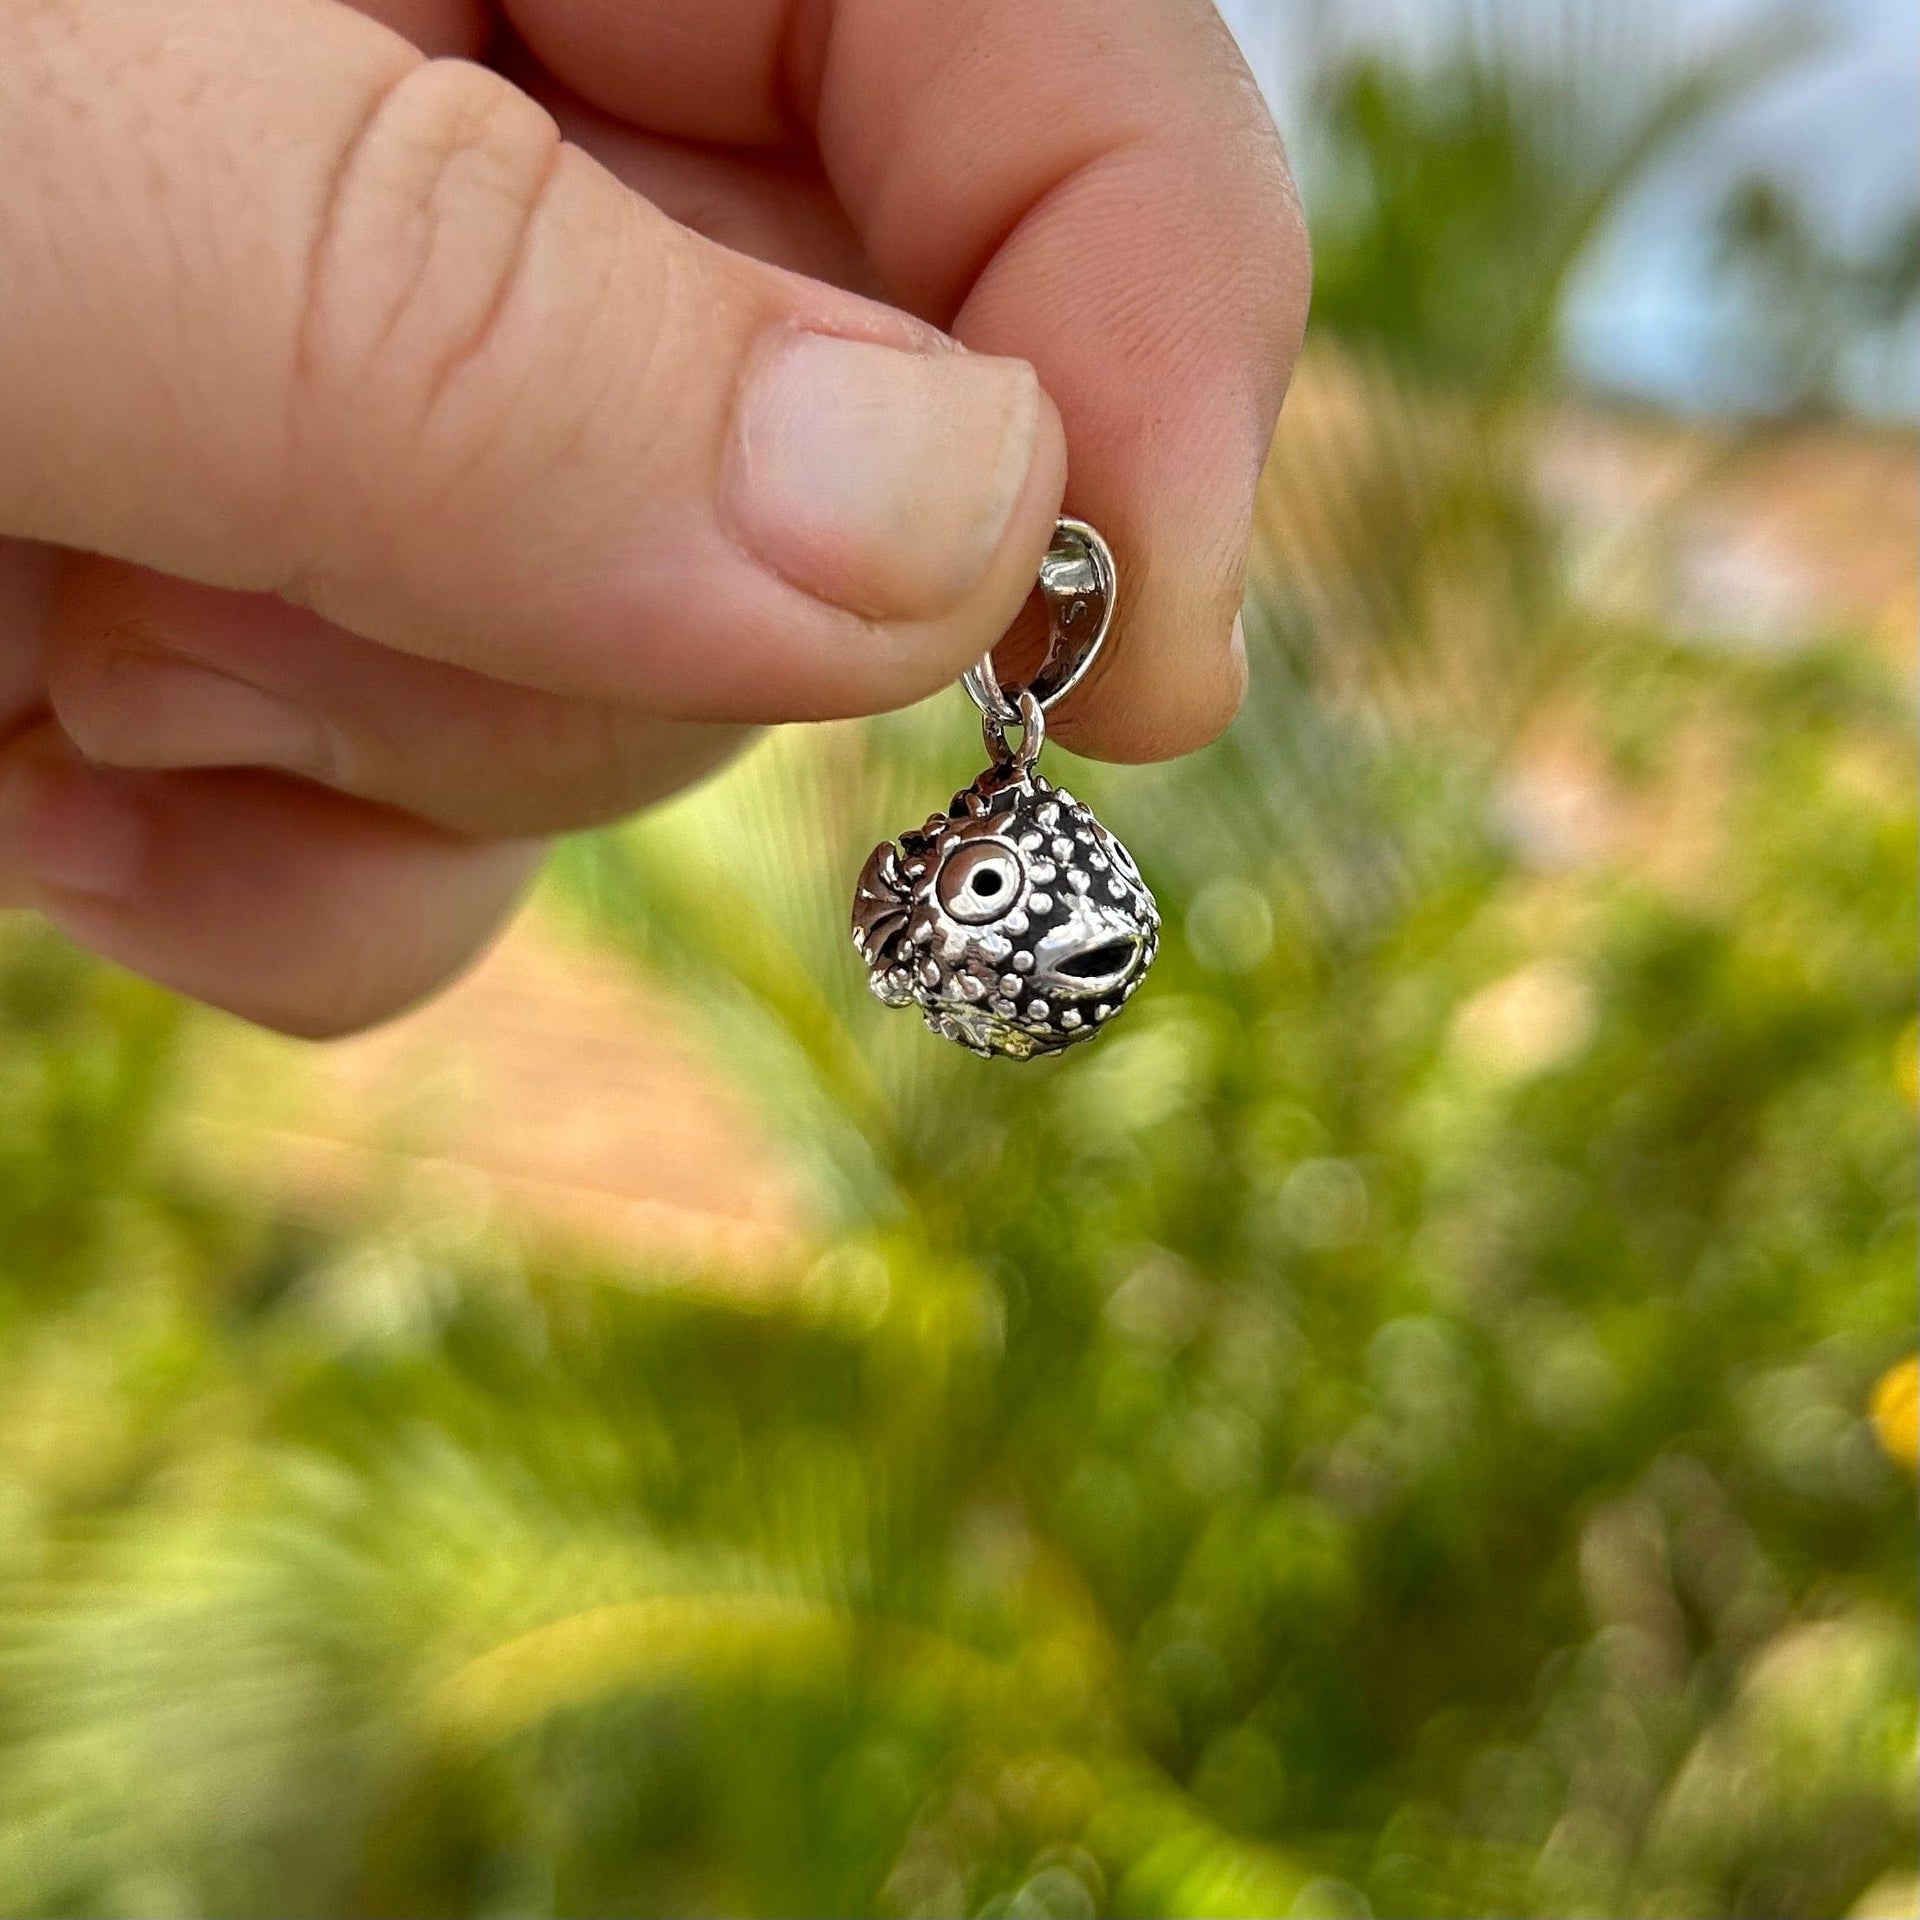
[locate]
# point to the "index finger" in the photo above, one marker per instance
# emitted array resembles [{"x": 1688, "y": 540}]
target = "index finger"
[{"x": 1094, "y": 186}]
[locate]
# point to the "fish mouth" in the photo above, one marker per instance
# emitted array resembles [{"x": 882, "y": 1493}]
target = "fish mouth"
[{"x": 1101, "y": 963}]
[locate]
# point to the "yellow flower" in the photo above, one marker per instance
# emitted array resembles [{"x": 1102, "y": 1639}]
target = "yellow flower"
[{"x": 1895, "y": 1411}]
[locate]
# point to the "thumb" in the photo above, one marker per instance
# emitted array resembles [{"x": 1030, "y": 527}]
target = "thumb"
[{"x": 291, "y": 308}]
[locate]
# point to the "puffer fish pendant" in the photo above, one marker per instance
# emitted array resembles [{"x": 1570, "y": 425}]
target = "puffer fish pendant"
[{"x": 1014, "y": 920}]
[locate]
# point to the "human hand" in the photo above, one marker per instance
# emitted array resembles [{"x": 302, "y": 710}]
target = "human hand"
[{"x": 387, "y": 481}]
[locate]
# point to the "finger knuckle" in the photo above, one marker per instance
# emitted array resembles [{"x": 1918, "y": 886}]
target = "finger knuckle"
[
  {"x": 415, "y": 287},
  {"x": 86, "y": 696}
]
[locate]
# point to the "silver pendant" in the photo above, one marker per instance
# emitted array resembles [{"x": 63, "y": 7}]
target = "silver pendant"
[{"x": 1015, "y": 921}]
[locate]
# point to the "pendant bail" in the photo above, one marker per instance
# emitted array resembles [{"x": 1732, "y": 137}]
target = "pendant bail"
[{"x": 1077, "y": 583}]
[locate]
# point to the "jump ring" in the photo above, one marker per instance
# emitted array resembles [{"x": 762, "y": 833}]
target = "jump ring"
[
  {"x": 1031, "y": 718},
  {"x": 992, "y": 698}
]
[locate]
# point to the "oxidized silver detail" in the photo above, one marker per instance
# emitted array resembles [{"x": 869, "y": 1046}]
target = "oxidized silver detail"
[
  {"x": 1077, "y": 582},
  {"x": 987, "y": 917}
]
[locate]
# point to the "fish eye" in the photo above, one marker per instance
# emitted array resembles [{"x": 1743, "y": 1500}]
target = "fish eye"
[{"x": 980, "y": 881}]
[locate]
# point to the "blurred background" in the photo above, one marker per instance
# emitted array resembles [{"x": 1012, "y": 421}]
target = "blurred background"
[{"x": 1419, "y": 1421}]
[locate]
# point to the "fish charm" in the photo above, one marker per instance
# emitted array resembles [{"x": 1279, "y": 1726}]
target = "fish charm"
[{"x": 1015, "y": 921}]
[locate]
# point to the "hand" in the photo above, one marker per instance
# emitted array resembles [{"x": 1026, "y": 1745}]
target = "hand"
[{"x": 403, "y": 459}]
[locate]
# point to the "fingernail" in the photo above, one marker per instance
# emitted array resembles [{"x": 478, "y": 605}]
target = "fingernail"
[
  {"x": 66, "y": 827},
  {"x": 157, "y": 710},
  {"x": 879, "y": 479}
]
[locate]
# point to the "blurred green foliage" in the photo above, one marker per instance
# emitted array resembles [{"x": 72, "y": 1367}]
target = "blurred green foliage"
[
  {"x": 1384, "y": 1432},
  {"x": 1457, "y": 195},
  {"x": 1818, "y": 320}
]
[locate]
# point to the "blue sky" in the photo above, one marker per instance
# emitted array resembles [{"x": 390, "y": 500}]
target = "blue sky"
[{"x": 1844, "y": 129}]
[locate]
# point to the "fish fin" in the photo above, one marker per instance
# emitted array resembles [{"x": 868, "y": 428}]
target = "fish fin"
[{"x": 881, "y": 910}]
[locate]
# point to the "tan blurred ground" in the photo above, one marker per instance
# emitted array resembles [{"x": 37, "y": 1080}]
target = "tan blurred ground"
[
  {"x": 554, "y": 1091},
  {"x": 548, "y": 1090}
]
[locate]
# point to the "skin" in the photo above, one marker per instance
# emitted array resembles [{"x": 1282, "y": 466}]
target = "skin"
[{"x": 437, "y": 370}]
